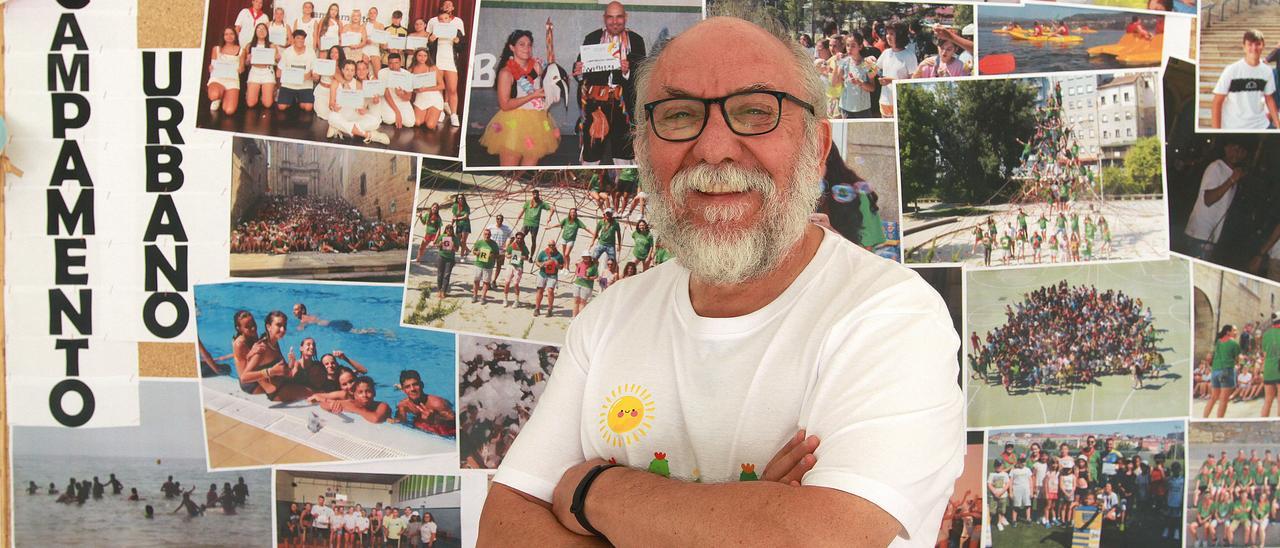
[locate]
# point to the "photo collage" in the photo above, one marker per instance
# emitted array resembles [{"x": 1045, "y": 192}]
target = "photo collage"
[{"x": 422, "y": 196}]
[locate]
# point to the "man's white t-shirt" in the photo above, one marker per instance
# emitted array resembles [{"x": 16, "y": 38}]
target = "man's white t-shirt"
[
  {"x": 290, "y": 58},
  {"x": 1246, "y": 88},
  {"x": 321, "y": 515},
  {"x": 859, "y": 351},
  {"x": 894, "y": 64},
  {"x": 1206, "y": 220}
]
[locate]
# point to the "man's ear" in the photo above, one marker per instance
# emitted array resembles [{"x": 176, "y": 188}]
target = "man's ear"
[{"x": 824, "y": 140}]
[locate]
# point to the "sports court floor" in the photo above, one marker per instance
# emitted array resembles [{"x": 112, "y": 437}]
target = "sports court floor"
[{"x": 1164, "y": 286}]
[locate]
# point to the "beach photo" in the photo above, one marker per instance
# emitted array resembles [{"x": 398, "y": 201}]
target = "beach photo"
[
  {"x": 1040, "y": 38},
  {"x": 553, "y": 83},
  {"x": 1073, "y": 175},
  {"x": 383, "y": 74},
  {"x": 1233, "y": 469},
  {"x": 1237, "y": 345},
  {"x": 144, "y": 485},
  {"x": 331, "y": 508},
  {"x": 320, "y": 373},
  {"x": 1109, "y": 485},
  {"x": 1078, "y": 343},
  {"x": 312, "y": 212},
  {"x": 499, "y": 381}
]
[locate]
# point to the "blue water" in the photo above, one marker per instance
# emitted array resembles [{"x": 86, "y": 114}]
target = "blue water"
[
  {"x": 114, "y": 521},
  {"x": 386, "y": 350},
  {"x": 1049, "y": 57}
]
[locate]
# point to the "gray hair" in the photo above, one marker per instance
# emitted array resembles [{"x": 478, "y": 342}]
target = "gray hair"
[{"x": 752, "y": 12}]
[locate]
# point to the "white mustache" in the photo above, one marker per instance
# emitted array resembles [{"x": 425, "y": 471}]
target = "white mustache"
[{"x": 722, "y": 179}]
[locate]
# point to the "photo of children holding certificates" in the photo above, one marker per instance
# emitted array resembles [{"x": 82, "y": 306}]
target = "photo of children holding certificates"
[{"x": 375, "y": 73}]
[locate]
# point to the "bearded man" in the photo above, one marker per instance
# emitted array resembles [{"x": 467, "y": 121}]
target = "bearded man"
[{"x": 770, "y": 349}]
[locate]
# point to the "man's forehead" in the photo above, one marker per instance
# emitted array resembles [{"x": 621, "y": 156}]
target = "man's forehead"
[
  {"x": 615, "y": 10},
  {"x": 697, "y": 64}
]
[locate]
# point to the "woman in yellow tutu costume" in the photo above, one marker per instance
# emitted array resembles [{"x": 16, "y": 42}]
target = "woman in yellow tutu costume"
[{"x": 522, "y": 131}]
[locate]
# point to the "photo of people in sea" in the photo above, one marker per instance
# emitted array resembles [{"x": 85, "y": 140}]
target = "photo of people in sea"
[
  {"x": 1074, "y": 175},
  {"x": 499, "y": 381},
  {"x": 384, "y": 74},
  {"x": 319, "y": 372},
  {"x": 360, "y": 509},
  {"x": 1061, "y": 344},
  {"x": 144, "y": 485},
  {"x": 556, "y": 84},
  {"x": 1039, "y": 38},
  {"x": 313, "y": 212}
]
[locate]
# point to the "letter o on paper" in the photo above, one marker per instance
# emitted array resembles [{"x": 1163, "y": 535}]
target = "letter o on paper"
[{"x": 55, "y": 402}]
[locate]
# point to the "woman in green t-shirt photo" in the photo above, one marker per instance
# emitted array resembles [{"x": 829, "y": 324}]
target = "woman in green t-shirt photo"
[{"x": 1223, "y": 379}]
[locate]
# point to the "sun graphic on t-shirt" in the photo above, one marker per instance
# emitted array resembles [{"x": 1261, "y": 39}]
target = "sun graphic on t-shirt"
[{"x": 627, "y": 415}]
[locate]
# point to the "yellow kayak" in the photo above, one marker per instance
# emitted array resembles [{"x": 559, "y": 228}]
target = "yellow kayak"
[
  {"x": 1133, "y": 50},
  {"x": 1006, "y": 31},
  {"x": 1085, "y": 31},
  {"x": 1149, "y": 56},
  {"x": 1056, "y": 39}
]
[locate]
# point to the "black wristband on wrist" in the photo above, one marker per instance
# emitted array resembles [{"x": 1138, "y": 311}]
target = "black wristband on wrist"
[{"x": 577, "y": 507}]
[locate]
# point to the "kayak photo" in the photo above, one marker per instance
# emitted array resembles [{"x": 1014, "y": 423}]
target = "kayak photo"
[{"x": 1033, "y": 39}]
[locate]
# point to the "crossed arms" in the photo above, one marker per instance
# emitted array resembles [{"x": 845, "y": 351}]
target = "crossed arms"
[{"x": 632, "y": 507}]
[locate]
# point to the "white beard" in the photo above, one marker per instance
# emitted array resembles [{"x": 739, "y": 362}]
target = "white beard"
[{"x": 719, "y": 254}]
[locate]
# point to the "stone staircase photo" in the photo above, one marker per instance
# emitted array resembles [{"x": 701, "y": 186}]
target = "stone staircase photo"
[{"x": 1220, "y": 40}]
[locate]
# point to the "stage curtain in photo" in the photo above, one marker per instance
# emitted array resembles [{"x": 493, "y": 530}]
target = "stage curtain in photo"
[
  {"x": 222, "y": 14},
  {"x": 464, "y": 10}
]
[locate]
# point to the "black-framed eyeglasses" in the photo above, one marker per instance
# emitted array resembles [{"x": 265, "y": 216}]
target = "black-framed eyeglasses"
[{"x": 747, "y": 113}]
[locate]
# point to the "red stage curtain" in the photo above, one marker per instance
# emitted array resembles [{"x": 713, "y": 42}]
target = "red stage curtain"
[{"x": 222, "y": 14}]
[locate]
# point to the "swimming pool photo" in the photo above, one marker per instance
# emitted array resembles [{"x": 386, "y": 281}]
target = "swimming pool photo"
[{"x": 354, "y": 325}]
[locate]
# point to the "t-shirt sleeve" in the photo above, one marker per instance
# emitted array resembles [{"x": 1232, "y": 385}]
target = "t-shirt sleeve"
[
  {"x": 887, "y": 407},
  {"x": 1212, "y": 178},
  {"x": 1271, "y": 83},
  {"x": 551, "y": 441},
  {"x": 1224, "y": 81}
]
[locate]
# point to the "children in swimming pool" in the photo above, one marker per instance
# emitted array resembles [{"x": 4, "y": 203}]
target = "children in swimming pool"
[
  {"x": 363, "y": 402},
  {"x": 346, "y": 384},
  {"x": 423, "y": 411}
]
